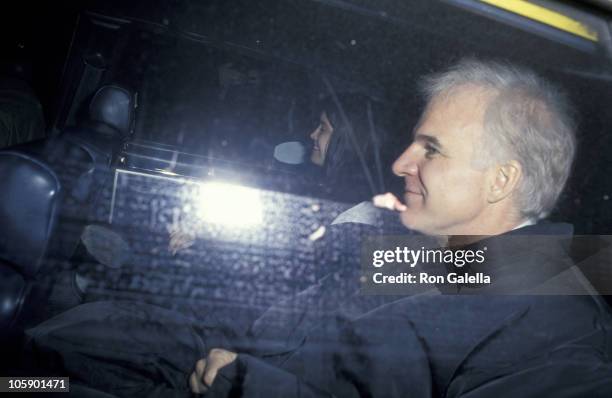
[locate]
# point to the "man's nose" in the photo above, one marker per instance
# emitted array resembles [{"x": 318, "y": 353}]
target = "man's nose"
[{"x": 406, "y": 163}]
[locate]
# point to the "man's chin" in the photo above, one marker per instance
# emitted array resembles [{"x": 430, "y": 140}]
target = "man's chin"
[
  {"x": 413, "y": 222},
  {"x": 408, "y": 219}
]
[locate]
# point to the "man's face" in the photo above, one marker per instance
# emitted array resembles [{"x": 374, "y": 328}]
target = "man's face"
[{"x": 444, "y": 193}]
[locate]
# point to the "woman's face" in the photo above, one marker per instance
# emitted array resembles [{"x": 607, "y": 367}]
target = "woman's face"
[{"x": 321, "y": 136}]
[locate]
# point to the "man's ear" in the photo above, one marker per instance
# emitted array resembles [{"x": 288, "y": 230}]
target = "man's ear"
[{"x": 504, "y": 180}]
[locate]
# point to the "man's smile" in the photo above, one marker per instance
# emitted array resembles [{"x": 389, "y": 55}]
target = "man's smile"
[{"x": 411, "y": 189}]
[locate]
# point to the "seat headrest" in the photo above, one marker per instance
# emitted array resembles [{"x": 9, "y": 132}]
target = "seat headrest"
[
  {"x": 113, "y": 105},
  {"x": 29, "y": 203}
]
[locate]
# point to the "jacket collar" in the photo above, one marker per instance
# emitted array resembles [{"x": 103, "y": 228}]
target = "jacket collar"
[{"x": 517, "y": 260}]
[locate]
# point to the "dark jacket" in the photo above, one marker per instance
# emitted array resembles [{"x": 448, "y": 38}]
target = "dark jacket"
[{"x": 534, "y": 331}]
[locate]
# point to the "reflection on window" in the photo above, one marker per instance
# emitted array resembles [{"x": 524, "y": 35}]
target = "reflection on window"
[{"x": 228, "y": 205}]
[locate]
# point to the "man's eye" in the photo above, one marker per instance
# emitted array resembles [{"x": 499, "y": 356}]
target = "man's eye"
[{"x": 430, "y": 151}]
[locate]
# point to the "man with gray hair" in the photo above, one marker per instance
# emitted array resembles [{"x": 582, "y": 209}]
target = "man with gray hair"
[
  {"x": 489, "y": 158},
  {"x": 487, "y": 162},
  {"x": 492, "y": 151}
]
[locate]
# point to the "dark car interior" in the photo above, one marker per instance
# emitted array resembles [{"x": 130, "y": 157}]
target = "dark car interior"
[{"x": 157, "y": 107}]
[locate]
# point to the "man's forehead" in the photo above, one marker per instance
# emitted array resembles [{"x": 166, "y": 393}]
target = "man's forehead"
[
  {"x": 461, "y": 99},
  {"x": 427, "y": 137},
  {"x": 454, "y": 116},
  {"x": 476, "y": 92}
]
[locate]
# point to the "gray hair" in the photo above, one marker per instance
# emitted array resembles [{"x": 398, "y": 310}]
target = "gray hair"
[{"x": 528, "y": 120}]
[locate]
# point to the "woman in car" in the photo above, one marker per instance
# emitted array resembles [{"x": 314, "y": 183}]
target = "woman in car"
[
  {"x": 346, "y": 148},
  {"x": 345, "y": 160}
]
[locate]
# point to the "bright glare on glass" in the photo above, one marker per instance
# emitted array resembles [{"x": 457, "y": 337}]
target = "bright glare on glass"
[{"x": 230, "y": 205}]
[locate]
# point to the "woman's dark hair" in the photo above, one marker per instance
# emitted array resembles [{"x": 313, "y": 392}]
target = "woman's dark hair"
[{"x": 352, "y": 168}]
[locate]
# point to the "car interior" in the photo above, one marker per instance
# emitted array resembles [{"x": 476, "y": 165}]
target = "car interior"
[{"x": 196, "y": 115}]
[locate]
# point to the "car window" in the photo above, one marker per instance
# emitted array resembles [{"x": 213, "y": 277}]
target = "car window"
[{"x": 231, "y": 180}]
